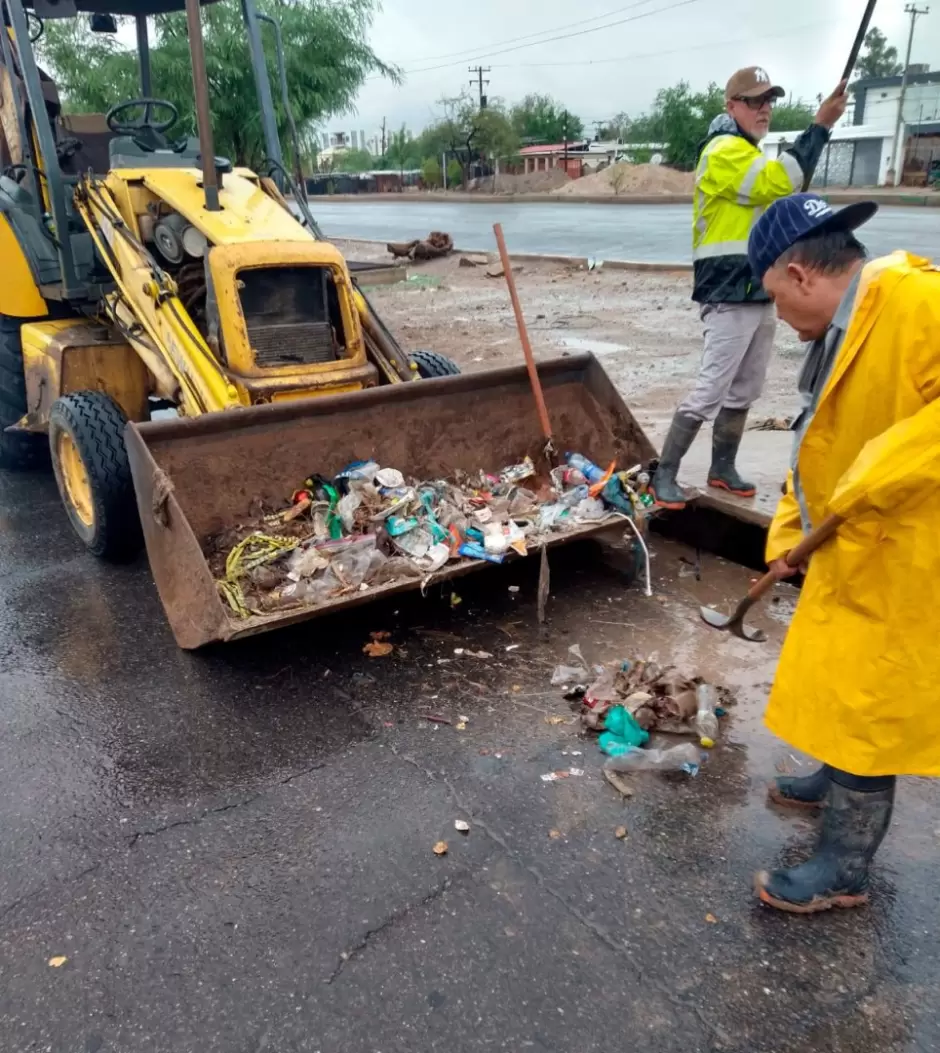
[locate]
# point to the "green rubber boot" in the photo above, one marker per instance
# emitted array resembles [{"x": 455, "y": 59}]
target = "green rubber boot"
[
  {"x": 726, "y": 438},
  {"x": 665, "y": 487}
]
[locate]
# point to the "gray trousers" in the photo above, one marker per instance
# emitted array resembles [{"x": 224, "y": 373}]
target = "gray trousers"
[{"x": 739, "y": 339}]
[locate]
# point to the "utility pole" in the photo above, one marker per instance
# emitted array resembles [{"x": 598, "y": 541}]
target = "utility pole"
[
  {"x": 898, "y": 155},
  {"x": 383, "y": 136},
  {"x": 479, "y": 81},
  {"x": 564, "y": 125}
]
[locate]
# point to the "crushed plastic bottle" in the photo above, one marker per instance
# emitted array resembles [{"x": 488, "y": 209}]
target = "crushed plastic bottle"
[
  {"x": 685, "y": 757},
  {"x": 706, "y": 723}
]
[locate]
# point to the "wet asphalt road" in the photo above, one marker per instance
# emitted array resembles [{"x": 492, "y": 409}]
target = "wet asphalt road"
[
  {"x": 656, "y": 233},
  {"x": 232, "y": 849}
]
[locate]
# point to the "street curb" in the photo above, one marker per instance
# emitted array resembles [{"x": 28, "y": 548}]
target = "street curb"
[
  {"x": 542, "y": 257},
  {"x": 912, "y": 200}
]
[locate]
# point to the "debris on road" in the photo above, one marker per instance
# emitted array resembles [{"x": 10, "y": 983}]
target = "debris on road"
[
  {"x": 555, "y": 721},
  {"x": 57, "y": 961},
  {"x": 461, "y": 651},
  {"x": 368, "y": 527},
  {"x": 434, "y": 718},
  {"x": 435, "y": 245},
  {"x": 554, "y": 835},
  {"x": 576, "y": 670},
  {"x": 474, "y": 261},
  {"x": 659, "y": 698},
  {"x": 623, "y": 733},
  {"x": 379, "y": 647},
  {"x": 619, "y": 784},
  {"x": 685, "y": 757},
  {"x": 772, "y": 424},
  {"x": 462, "y": 826},
  {"x": 564, "y": 773},
  {"x": 621, "y": 833},
  {"x": 440, "y": 849}
]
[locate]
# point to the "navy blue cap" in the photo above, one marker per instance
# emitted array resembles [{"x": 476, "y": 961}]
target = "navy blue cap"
[{"x": 793, "y": 218}]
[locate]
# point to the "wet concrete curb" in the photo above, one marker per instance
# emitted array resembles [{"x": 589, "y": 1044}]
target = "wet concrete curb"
[
  {"x": 665, "y": 266},
  {"x": 836, "y": 197}
]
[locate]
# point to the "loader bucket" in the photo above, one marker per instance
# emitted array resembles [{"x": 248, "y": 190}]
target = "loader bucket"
[{"x": 195, "y": 478}]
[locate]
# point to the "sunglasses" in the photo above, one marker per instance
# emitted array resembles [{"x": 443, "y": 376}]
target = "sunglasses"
[{"x": 758, "y": 102}]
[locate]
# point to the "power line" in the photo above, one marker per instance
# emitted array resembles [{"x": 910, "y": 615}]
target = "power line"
[
  {"x": 710, "y": 45},
  {"x": 563, "y": 36},
  {"x": 468, "y": 53}
]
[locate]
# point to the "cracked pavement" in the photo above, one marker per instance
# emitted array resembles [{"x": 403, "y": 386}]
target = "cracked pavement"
[{"x": 233, "y": 849}]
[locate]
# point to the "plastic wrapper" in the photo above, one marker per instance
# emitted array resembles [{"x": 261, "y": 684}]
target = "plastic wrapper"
[
  {"x": 575, "y": 670},
  {"x": 347, "y": 508},
  {"x": 685, "y": 757},
  {"x": 415, "y": 543}
]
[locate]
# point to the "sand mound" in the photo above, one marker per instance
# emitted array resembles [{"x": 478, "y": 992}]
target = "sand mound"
[
  {"x": 625, "y": 178},
  {"x": 533, "y": 183}
]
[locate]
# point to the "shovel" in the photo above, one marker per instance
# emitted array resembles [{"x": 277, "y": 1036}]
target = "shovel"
[{"x": 734, "y": 623}]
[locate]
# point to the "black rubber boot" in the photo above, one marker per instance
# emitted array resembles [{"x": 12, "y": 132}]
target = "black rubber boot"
[
  {"x": 853, "y": 827},
  {"x": 665, "y": 488},
  {"x": 800, "y": 791},
  {"x": 726, "y": 438}
]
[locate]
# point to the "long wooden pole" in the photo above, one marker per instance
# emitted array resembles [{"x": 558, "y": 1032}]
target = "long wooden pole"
[{"x": 523, "y": 334}]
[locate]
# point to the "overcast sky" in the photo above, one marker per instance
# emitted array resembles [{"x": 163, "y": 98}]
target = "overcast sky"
[{"x": 802, "y": 43}]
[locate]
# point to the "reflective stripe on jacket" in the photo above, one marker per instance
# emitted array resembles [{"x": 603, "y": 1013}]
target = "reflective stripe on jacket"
[
  {"x": 734, "y": 183},
  {"x": 856, "y": 686}
]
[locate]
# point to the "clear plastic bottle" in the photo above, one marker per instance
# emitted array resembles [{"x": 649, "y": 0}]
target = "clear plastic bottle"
[
  {"x": 587, "y": 468},
  {"x": 706, "y": 723},
  {"x": 685, "y": 757}
]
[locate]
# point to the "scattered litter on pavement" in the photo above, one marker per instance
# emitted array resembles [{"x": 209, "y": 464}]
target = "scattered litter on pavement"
[
  {"x": 620, "y": 833},
  {"x": 618, "y": 783},
  {"x": 711, "y": 919},
  {"x": 554, "y": 721},
  {"x": 461, "y": 725},
  {"x": 472, "y": 654},
  {"x": 377, "y": 649},
  {"x": 440, "y": 849},
  {"x": 513, "y": 647},
  {"x": 58, "y": 961},
  {"x": 575, "y": 670},
  {"x": 565, "y": 773},
  {"x": 462, "y": 826},
  {"x": 514, "y": 589},
  {"x": 474, "y": 261},
  {"x": 369, "y": 527},
  {"x": 685, "y": 757},
  {"x": 772, "y": 424},
  {"x": 555, "y": 835},
  {"x": 434, "y": 718}
]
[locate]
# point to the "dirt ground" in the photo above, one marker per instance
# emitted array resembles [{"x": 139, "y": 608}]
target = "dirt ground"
[{"x": 643, "y": 327}]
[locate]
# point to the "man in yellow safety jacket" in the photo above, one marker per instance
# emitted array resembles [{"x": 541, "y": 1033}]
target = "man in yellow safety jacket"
[
  {"x": 856, "y": 686},
  {"x": 734, "y": 182}
]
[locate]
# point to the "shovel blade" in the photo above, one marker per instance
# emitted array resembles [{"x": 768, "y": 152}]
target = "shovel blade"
[{"x": 733, "y": 623}]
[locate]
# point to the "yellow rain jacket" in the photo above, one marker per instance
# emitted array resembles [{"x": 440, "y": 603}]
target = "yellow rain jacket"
[{"x": 858, "y": 684}]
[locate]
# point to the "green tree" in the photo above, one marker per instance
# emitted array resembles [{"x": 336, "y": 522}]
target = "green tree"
[
  {"x": 792, "y": 116},
  {"x": 469, "y": 133},
  {"x": 877, "y": 60},
  {"x": 680, "y": 118},
  {"x": 454, "y": 172},
  {"x": 539, "y": 119},
  {"x": 431, "y": 173},
  {"x": 327, "y": 58},
  {"x": 353, "y": 161},
  {"x": 402, "y": 152}
]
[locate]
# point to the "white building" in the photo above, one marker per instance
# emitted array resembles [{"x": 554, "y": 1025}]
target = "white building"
[{"x": 857, "y": 155}]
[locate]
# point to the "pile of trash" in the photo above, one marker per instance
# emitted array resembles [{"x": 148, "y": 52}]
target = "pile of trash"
[
  {"x": 435, "y": 245},
  {"x": 629, "y": 701},
  {"x": 368, "y": 526}
]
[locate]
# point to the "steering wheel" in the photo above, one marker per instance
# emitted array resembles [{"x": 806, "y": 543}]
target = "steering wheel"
[{"x": 145, "y": 122}]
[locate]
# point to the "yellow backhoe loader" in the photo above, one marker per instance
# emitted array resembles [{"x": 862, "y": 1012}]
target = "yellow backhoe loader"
[{"x": 142, "y": 270}]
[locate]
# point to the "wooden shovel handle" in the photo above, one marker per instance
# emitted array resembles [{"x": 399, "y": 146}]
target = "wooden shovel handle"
[{"x": 796, "y": 555}]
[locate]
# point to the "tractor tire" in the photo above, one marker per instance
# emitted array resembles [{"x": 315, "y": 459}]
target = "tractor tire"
[
  {"x": 89, "y": 458},
  {"x": 430, "y": 364},
  {"x": 19, "y": 451}
]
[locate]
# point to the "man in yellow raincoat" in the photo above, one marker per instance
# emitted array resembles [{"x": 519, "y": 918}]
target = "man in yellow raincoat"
[{"x": 858, "y": 680}]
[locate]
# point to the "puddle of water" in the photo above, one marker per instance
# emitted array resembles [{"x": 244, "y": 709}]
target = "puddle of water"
[{"x": 598, "y": 347}]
